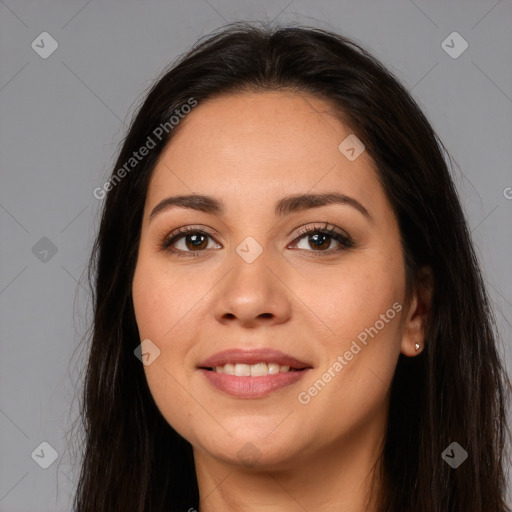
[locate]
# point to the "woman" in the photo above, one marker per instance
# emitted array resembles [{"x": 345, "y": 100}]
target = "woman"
[{"x": 283, "y": 248}]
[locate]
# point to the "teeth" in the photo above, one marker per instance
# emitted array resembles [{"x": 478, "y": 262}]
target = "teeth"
[
  {"x": 229, "y": 369},
  {"x": 257, "y": 370},
  {"x": 242, "y": 370},
  {"x": 273, "y": 368},
  {"x": 252, "y": 370}
]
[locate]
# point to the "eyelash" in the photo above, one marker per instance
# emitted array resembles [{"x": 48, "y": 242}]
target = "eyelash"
[{"x": 344, "y": 240}]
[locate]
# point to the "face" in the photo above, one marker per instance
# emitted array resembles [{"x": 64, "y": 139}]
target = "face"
[{"x": 315, "y": 285}]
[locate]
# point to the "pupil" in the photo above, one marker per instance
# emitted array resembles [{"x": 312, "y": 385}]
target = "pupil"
[
  {"x": 316, "y": 238},
  {"x": 195, "y": 240}
]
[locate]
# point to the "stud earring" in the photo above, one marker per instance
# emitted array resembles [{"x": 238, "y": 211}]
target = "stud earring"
[{"x": 417, "y": 346}]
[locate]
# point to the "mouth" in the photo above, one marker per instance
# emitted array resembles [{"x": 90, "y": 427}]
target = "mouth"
[
  {"x": 254, "y": 370},
  {"x": 252, "y": 373}
]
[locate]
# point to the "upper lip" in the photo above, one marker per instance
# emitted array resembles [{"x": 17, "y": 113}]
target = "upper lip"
[{"x": 252, "y": 356}]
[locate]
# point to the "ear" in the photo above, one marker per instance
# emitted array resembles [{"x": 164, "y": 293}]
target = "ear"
[{"x": 417, "y": 315}]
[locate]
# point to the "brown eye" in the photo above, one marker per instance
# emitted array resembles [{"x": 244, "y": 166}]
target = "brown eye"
[
  {"x": 195, "y": 241},
  {"x": 187, "y": 241},
  {"x": 320, "y": 240}
]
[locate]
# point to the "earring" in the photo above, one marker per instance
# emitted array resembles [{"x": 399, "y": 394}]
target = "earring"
[{"x": 417, "y": 346}]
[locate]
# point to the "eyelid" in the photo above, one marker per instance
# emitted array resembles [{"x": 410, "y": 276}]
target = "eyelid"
[{"x": 320, "y": 226}]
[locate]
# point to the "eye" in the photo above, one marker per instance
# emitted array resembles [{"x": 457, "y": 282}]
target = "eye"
[
  {"x": 320, "y": 239},
  {"x": 187, "y": 241}
]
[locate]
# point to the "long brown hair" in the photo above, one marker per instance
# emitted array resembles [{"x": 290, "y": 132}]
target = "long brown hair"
[{"x": 456, "y": 390}]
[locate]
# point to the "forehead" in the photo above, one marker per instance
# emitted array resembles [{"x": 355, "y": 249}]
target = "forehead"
[
  {"x": 259, "y": 145},
  {"x": 285, "y": 124}
]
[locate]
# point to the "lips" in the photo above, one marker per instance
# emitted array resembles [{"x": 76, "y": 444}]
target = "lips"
[
  {"x": 251, "y": 357},
  {"x": 246, "y": 385}
]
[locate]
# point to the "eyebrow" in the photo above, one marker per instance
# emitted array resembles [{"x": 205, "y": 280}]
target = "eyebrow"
[{"x": 283, "y": 207}]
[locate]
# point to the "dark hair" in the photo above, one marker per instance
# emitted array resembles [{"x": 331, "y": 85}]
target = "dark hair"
[{"x": 455, "y": 390}]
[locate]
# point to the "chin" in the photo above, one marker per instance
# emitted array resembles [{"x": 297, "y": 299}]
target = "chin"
[{"x": 254, "y": 450}]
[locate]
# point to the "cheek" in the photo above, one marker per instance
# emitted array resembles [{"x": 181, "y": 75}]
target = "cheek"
[
  {"x": 163, "y": 305},
  {"x": 352, "y": 297},
  {"x": 350, "y": 388},
  {"x": 162, "y": 311},
  {"x": 362, "y": 306},
  {"x": 163, "y": 300}
]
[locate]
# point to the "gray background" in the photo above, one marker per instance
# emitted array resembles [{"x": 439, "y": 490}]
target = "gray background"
[{"x": 62, "y": 118}]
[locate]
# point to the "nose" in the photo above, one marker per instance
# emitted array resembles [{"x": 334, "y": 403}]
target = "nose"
[{"x": 253, "y": 294}]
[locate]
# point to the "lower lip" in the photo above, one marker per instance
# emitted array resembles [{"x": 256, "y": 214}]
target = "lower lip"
[{"x": 252, "y": 387}]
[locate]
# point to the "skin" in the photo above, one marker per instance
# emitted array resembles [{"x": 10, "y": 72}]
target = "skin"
[{"x": 250, "y": 150}]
